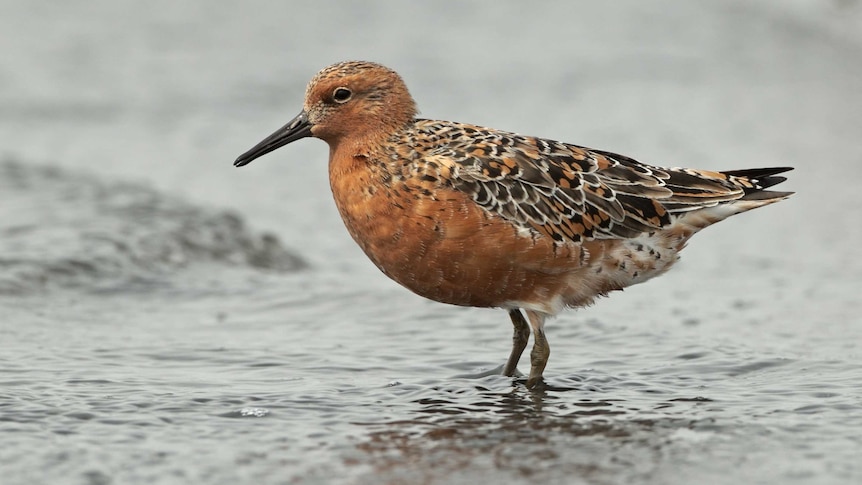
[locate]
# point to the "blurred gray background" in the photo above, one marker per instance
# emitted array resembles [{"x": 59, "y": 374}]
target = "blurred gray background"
[{"x": 170, "y": 92}]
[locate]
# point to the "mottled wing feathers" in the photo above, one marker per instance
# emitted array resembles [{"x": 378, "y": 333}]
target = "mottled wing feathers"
[{"x": 568, "y": 192}]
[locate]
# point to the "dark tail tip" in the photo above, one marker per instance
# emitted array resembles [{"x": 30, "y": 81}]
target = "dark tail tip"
[
  {"x": 757, "y": 172},
  {"x": 762, "y": 178},
  {"x": 766, "y": 195}
]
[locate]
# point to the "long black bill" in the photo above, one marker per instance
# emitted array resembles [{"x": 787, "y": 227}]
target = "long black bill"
[{"x": 295, "y": 129}]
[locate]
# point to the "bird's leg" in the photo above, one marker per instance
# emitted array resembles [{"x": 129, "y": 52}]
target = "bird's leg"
[
  {"x": 541, "y": 350},
  {"x": 519, "y": 341}
]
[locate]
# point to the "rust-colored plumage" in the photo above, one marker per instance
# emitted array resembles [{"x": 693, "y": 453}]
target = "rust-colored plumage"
[{"x": 474, "y": 216}]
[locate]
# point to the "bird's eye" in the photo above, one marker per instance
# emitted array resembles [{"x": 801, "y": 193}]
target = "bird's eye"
[{"x": 341, "y": 95}]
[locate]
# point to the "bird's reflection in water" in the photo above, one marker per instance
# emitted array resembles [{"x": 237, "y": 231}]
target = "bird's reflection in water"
[{"x": 536, "y": 434}]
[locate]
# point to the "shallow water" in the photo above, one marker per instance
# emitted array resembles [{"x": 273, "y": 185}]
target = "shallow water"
[{"x": 167, "y": 318}]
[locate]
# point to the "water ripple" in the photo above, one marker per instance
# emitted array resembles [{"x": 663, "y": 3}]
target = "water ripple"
[{"x": 116, "y": 236}]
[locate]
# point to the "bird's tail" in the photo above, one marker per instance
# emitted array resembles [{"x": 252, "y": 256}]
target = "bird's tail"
[{"x": 753, "y": 183}]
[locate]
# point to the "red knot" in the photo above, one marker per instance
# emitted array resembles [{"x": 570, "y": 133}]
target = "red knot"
[{"x": 475, "y": 216}]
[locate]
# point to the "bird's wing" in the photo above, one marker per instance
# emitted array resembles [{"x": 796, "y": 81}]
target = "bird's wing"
[{"x": 569, "y": 192}]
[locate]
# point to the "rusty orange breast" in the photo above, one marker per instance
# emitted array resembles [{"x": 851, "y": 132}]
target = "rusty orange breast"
[{"x": 441, "y": 245}]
